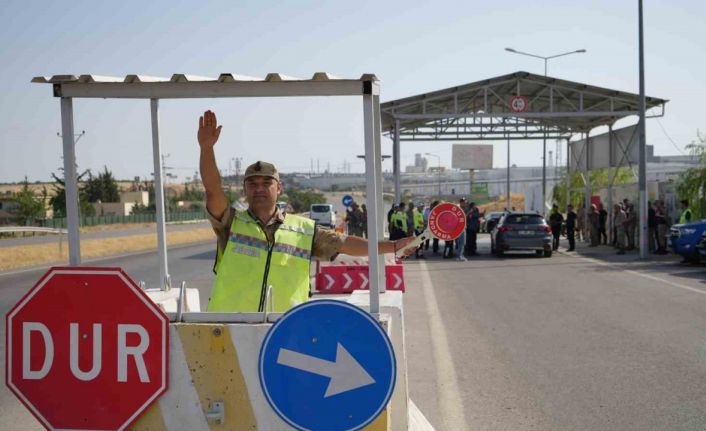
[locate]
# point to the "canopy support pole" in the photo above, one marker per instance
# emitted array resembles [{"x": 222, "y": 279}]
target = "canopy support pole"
[
  {"x": 509, "y": 202},
  {"x": 544, "y": 174},
  {"x": 70, "y": 181},
  {"x": 382, "y": 285},
  {"x": 396, "y": 161},
  {"x": 165, "y": 282},
  {"x": 568, "y": 174},
  {"x": 587, "y": 187},
  {"x": 371, "y": 156},
  {"x": 611, "y": 179}
]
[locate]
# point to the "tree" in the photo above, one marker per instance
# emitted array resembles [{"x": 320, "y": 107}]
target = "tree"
[
  {"x": 692, "y": 183},
  {"x": 598, "y": 179},
  {"x": 301, "y": 200},
  {"x": 58, "y": 201},
  {"x": 102, "y": 188},
  {"x": 29, "y": 208}
]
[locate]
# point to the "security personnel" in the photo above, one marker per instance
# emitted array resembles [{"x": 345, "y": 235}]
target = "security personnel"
[
  {"x": 398, "y": 222},
  {"x": 260, "y": 250},
  {"x": 686, "y": 215}
]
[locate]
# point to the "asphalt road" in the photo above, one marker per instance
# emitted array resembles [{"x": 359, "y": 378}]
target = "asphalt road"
[
  {"x": 518, "y": 343},
  {"x": 48, "y": 239},
  {"x": 565, "y": 343}
]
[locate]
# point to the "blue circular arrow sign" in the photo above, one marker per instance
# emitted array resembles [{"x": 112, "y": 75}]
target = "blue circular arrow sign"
[
  {"x": 347, "y": 200},
  {"x": 327, "y": 366}
]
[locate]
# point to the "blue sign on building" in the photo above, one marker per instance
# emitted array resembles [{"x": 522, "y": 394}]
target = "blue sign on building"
[
  {"x": 347, "y": 200},
  {"x": 327, "y": 365}
]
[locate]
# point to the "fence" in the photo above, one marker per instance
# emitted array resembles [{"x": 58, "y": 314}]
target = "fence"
[{"x": 122, "y": 219}]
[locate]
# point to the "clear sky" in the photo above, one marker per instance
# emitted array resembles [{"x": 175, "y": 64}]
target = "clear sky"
[{"x": 412, "y": 46}]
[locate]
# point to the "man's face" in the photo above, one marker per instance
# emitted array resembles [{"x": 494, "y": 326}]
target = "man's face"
[{"x": 262, "y": 192}]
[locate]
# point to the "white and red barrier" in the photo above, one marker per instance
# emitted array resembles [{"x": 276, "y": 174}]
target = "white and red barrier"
[{"x": 347, "y": 277}]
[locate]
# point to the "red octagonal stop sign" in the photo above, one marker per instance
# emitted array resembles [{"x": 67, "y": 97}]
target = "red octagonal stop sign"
[{"x": 86, "y": 349}]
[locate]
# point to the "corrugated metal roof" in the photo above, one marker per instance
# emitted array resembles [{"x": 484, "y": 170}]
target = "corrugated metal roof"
[
  {"x": 571, "y": 105},
  {"x": 180, "y": 77}
]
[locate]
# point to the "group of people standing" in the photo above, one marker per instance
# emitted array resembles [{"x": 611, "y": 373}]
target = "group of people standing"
[
  {"x": 406, "y": 220},
  {"x": 591, "y": 225},
  {"x": 357, "y": 220}
]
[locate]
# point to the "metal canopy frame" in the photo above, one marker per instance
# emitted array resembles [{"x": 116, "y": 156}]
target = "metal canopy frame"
[
  {"x": 481, "y": 111},
  {"x": 180, "y": 86}
]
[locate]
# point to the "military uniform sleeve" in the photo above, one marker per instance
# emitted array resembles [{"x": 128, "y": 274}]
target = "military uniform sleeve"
[
  {"x": 327, "y": 243},
  {"x": 222, "y": 227}
]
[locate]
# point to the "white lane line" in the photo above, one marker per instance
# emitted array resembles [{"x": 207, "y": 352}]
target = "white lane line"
[
  {"x": 640, "y": 274},
  {"x": 452, "y": 413}
]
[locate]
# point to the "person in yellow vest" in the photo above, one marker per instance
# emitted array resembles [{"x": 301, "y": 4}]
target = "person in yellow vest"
[
  {"x": 263, "y": 256},
  {"x": 398, "y": 223},
  {"x": 686, "y": 216}
]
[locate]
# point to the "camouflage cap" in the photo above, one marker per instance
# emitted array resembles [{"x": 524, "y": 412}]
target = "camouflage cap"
[{"x": 261, "y": 169}]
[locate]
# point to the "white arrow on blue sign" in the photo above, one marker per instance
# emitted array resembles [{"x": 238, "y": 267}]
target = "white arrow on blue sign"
[
  {"x": 347, "y": 200},
  {"x": 327, "y": 365}
]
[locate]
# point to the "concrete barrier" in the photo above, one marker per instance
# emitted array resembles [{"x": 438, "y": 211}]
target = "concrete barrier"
[{"x": 213, "y": 374}]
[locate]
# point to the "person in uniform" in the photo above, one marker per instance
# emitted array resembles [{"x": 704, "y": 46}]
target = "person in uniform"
[
  {"x": 555, "y": 222},
  {"x": 571, "y": 227},
  {"x": 686, "y": 215},
  {"x": 263, "y": 257}
]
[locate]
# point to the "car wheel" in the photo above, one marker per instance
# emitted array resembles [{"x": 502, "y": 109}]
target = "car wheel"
[
  {"x": 499, "y": 253},
  {"x": 547, "y": 253}
]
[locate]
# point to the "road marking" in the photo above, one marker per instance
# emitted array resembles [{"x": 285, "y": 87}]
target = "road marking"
[
  {"x": 640, "y": 274},
  {"x": 452, "y": 413}
]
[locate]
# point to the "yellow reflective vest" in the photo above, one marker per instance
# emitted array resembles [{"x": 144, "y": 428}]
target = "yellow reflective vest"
[
  {"x": 418, "y": 220},
  {"x": 399, "y": 220},
  {"x": 250, "y": 264},
  {"x": 683, "y": 218}
]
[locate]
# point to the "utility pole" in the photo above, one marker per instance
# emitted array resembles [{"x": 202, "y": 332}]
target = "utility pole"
[{"x": 642, "y": 174}]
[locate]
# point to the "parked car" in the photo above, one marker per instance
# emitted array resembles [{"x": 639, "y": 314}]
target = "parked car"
[
  {"x": 685, "y": 238},
  {"x": 702, "y": 247},
  {"x": 323, "y": 214},
  {"x": 521, "y": 232},
  {"x": 490, "y": 220}
]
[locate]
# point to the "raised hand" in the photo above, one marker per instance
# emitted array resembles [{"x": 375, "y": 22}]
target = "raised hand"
[{"x": 209, "y": 130}]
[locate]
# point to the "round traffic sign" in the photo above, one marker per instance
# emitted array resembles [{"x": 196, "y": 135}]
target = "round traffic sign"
[
  {"x": 447, "y": 221},
  {"x": 347, "y": 200},
  {"x": 518, "y": 103},
  {"x": 327, "y": 365}
]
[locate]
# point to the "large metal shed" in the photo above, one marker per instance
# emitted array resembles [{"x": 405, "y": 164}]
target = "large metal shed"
[
  {"x": 180, "y": 86},
  {"x": 552, "y": 108}
]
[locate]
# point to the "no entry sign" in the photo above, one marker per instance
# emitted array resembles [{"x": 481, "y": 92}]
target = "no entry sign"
[{"x": 86, "y": 349}]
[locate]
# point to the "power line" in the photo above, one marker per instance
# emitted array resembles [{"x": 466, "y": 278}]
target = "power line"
[{"x": 669, "y": 137}]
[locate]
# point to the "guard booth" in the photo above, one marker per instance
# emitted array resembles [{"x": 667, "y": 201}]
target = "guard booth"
[{"x": 213, "y": 357}]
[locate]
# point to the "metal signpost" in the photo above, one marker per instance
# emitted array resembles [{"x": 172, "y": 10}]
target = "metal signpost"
[
  {"x": 327, "y": 365},
  {"x": 88, "y": 366}
]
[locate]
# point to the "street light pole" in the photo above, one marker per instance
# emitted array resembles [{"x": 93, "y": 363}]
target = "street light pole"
[
  {"x": 438, "y": 169},
  {"x": 544, "y": 141},
  {"x": 642, "y": 174}
]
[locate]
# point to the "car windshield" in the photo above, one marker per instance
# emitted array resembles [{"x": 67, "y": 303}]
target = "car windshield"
[
  {"x": 523, "y": 219},
  {"x": 320, "y": 208}
]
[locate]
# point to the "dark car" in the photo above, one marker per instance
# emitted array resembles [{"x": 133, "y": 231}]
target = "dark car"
[
  {"x": 521, "y": 232},
  {"x": 490, "y": 220},
  {"x": 702, "y": 247},
  {"x": 684, "y": 239}
]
